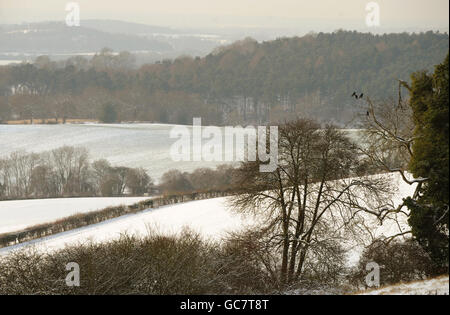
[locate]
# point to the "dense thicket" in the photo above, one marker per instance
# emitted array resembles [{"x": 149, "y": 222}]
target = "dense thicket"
[
  {"x": 245, "y": 82},
  {"x": 156, "y": 264},
  {"x": 187, "y": 264},
  {"x": 400, "y": 261}
]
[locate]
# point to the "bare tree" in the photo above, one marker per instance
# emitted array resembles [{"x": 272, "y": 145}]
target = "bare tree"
[
  {"x": 388, "y": 135},
  {"x": 67, "y": 171},
  {"x": 312, "y": 196},
  {"x": 71, "y": 165},
  {"x": 138, "y": 181},
  {"x": 174, "y": 181},
  {"x": 5, "y": 179}
]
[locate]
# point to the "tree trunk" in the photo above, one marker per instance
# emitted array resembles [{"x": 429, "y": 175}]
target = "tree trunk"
[{"x": 285, "y": 256}]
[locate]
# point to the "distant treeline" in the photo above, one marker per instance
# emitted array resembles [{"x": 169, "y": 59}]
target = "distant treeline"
[
  {"x": 65, "y": 172},
  {"x": 245, "y": 82},
  {"x": 201, "y": 180},
  {"x": 68, "y": 172}
]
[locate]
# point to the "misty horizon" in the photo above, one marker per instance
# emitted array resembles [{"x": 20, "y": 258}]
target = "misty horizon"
[{"x": 293, "y": 17}]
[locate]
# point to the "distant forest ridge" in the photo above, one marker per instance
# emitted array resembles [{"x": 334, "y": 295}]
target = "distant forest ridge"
[{"x": 245, "y": 82}]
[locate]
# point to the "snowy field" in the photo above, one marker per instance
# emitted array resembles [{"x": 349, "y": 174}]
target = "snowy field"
[
  {"x": 131, "y": 145},
  {"x": 211, "y": 218},
  {"x": 18, "y": 214},
  {"x": 437, "y": 286}
]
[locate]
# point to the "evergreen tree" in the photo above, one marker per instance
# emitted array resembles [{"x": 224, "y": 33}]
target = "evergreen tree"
[
  {"x": 108, "y": 114},
  {"x": 429, "y": 211}
]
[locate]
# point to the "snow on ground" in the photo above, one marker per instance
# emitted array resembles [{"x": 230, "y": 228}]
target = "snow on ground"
[
  {"x": 209, "y": 217},
  {"x": 16, "y": 215},
  {"x": 392, "y": 225},
  {"x": 437, "y": 286},
  {"x": 131, "y": 145}
]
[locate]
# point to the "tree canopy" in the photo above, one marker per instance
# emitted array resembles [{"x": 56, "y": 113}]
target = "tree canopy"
[
  {"x": 248, "y": 81},
  {"x": 429, "y": 212}
]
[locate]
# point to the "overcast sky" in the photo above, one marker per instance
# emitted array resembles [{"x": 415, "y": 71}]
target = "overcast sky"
[{"x": 425, "y": 14}]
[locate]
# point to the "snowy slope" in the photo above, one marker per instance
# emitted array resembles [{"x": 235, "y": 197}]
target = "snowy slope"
[
  {"x": 393, "y": 224},
  {"x": 131, "y": 145},
  {"x": 18, "y": 214},
  {"x": 211, "y": 218},
  {"x": 437, "y": 286}
]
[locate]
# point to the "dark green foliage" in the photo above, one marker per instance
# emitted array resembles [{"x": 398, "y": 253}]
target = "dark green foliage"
[
  {"x": 432, "y": 236},
  {"x": 429, "y": 213},
  {"x": 108, "y": 114}
]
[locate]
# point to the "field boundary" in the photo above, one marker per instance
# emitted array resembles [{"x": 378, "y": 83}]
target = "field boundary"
[{"x": 84, "y": 219}]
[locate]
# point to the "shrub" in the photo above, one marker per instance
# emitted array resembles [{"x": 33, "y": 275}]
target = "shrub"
[
  {"x": 156, "y": 264},
  {"x": 399, "y": 261}
]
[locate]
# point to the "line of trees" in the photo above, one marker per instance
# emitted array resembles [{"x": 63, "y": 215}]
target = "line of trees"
[
  {"x": 200, "y": 180},
  {"x": 67, "y": 171},
  {"x": 244, "y": 82}
]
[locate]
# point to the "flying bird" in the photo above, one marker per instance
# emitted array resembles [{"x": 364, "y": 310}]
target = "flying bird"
[{"x": 356, "y": 95}]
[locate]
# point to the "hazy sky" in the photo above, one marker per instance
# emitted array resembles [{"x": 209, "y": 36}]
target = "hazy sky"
[{"x": 426, "y": 14}]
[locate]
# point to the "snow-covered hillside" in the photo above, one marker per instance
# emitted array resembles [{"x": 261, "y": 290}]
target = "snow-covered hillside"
[
  {"x": 18, "y": 214},
  {"x": 437, "y": 286},
  {"x": 211, "y": 218},
  {"x": 131, "y": 145}
]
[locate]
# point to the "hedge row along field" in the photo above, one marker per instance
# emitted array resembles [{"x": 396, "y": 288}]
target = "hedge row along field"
[{"x": 84, "y": 219}]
